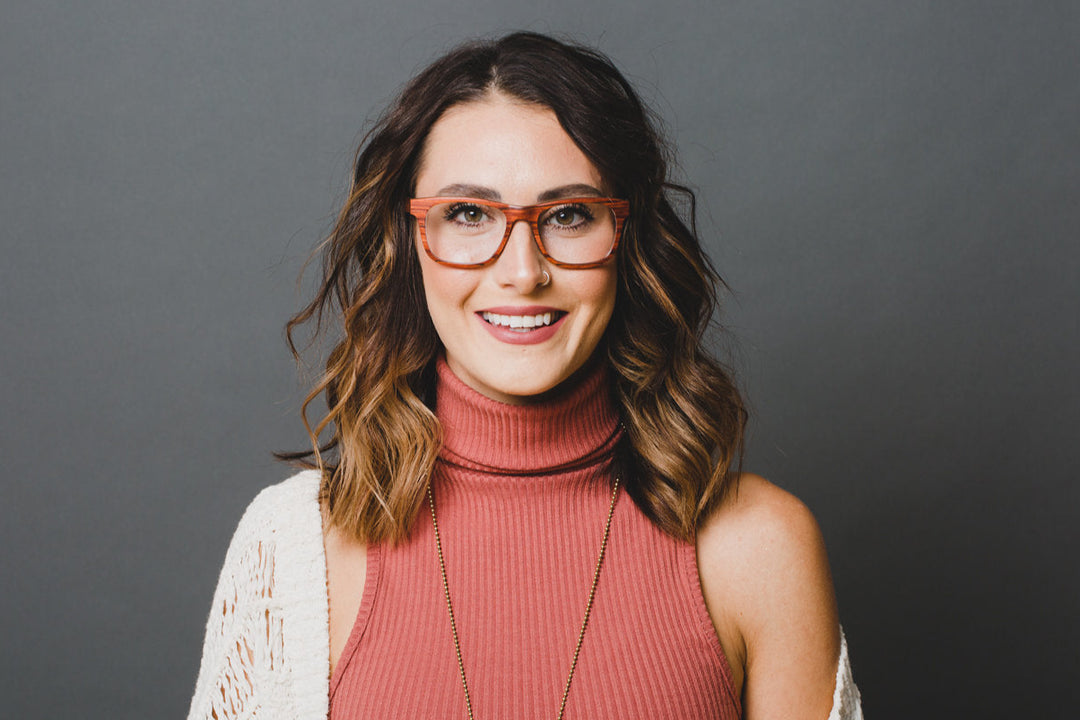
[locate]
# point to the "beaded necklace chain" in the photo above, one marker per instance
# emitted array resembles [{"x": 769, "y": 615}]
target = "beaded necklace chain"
[{"x": 584, "y": 620}]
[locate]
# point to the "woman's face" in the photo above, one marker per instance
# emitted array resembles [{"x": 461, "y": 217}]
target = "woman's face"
[{"x": 516, "y": 153}]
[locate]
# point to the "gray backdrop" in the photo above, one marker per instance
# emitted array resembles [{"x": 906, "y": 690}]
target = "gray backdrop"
[{"x": 889, "y": 187}]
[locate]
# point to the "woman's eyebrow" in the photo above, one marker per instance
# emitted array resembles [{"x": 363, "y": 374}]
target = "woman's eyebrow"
[
  {"x": 565, "y": 191},
  {"x": 465, "y": 190},
  {"x": 485, "y": 193}
]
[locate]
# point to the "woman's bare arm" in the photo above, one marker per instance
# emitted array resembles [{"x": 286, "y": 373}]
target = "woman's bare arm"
[{"x": 766, "y": 581}]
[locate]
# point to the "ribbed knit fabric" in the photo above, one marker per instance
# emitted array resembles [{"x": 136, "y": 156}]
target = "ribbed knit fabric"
[{"x": 522, "y": 494}]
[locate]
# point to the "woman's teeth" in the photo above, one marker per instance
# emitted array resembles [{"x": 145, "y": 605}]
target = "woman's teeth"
[{"x": 521, "y": 323}]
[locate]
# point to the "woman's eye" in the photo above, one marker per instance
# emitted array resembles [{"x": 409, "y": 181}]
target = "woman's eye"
[
  {"x": 466, "y": 214},
  {"x": 570, "y": 216}
]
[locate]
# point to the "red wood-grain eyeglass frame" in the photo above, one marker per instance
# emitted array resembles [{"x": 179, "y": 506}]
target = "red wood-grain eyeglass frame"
[{"x": 419, "y": 207}]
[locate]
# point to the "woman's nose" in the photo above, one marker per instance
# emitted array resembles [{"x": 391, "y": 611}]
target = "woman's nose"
[{"x": 521, "y": 265}]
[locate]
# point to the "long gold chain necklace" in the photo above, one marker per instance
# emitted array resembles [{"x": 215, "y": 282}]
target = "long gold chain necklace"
[{"x": 584, "y": 620}]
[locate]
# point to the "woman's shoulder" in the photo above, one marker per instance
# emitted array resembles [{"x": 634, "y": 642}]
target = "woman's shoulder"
[
  {"x": 766, "y": 580},
  {"x": 765, "y": 546},
  {"x": 757, "y": 522},
  {"x": 282, "y": 528},
  {"x": 288, "y": 501},
  {"x": 289, "y": 506}
]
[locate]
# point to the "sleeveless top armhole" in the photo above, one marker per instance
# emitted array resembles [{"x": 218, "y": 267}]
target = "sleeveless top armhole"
[
  {"x": 367, "y": 602},
  {"x": 688, "y": 551}
]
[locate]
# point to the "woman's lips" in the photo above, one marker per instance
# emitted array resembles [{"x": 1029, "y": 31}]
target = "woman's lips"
[{"x": 526, "y": 325}]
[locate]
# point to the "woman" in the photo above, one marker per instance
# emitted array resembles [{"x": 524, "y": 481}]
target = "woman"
[{"x": 527, "y": 505}]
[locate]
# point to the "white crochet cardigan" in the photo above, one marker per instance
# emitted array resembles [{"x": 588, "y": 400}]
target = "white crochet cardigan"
[{"x": 267, "y": 648}]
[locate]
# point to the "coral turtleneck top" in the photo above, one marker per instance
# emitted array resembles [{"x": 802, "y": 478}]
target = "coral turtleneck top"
[{"x": 522, "y": 495}]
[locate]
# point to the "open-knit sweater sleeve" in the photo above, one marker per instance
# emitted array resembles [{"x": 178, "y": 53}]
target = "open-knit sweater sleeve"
[
  {"x": 267, "y": 648},
  {"x": 266, "y": 652},
  {"x": 846, "y": 703}
]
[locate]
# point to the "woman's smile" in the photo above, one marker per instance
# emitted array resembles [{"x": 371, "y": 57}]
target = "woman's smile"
[{"x": 522, "y": 325}]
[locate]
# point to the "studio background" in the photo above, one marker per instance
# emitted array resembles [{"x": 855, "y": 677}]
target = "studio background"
[{"x": 890, "y": 189}]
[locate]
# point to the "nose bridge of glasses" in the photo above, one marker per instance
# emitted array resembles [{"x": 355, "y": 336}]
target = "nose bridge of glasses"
[
  {"x": 531, "y": 242},
  {"x": 527, "y": 215}
]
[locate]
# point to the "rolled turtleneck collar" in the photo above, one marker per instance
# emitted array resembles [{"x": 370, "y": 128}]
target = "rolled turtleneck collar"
[{"x": 574, "y": 427}]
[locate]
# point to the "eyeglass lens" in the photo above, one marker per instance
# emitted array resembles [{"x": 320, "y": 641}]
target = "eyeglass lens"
[{"x": 471, "y": 232}]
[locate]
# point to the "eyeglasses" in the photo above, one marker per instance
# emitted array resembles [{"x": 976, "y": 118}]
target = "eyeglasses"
[{"x": 471, "y": 233}]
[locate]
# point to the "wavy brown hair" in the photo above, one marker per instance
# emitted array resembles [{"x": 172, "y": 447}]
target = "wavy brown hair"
[{"x": 683, "y": 415}]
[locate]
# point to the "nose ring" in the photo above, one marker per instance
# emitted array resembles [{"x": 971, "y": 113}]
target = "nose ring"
[{"x": 547, "y": 279}]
